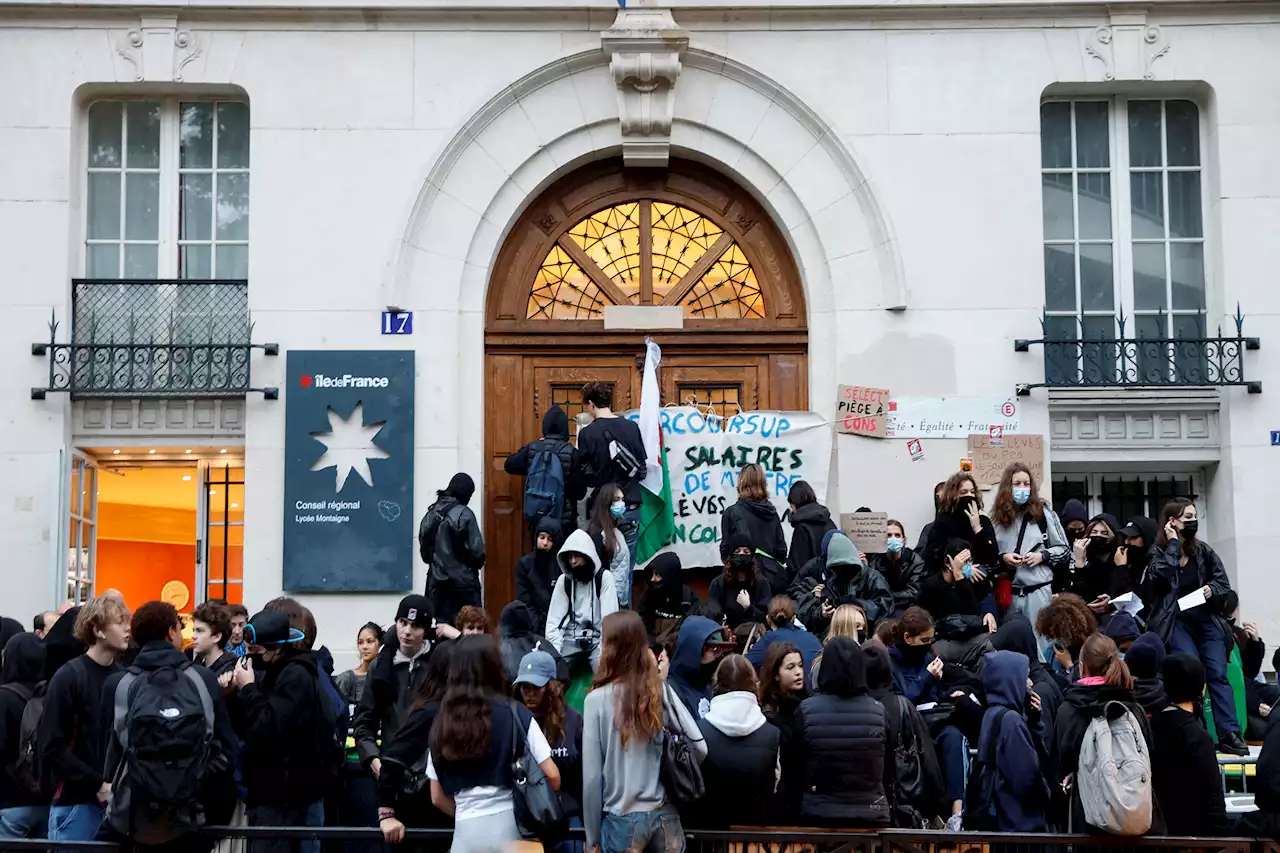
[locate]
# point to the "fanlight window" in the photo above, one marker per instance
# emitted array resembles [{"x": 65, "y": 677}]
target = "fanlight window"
[{"x": 645, "y": 253}]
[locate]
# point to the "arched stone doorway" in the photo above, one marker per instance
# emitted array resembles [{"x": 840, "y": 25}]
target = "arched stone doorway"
[{"x": 605, "y": 235}]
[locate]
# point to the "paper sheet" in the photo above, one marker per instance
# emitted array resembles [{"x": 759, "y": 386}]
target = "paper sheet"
[
  {"x": 1191, "y": 599},
  {"x": 1128, "y": 603}
]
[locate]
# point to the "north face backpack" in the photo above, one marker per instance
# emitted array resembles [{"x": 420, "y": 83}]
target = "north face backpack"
[
  {"x": 1114, "y": 773},
  {"x": 25, "y": 770},
  {"x": 544, "y": 486},
  {"x": 163, "y": 721}
]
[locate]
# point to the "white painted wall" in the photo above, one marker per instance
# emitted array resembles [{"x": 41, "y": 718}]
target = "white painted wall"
[{"x": 901, "y": 155}]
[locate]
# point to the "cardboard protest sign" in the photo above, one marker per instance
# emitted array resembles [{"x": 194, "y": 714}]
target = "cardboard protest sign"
[
  {"x": 861, "y": 410},
  {"x": 989, "y": 462},
  {"x": 868, "y": 530}
]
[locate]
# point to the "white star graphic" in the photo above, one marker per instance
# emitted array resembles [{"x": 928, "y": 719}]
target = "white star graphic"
[{"x": 349, "y": 446}]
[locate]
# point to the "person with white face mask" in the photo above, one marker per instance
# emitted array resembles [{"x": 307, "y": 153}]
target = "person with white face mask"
[
  {"x": 1033, "y": 546},
  {"x": 901, "y": 566}
]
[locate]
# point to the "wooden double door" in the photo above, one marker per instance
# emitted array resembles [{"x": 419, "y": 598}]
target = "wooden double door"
[{"x": 522, "y": 387}]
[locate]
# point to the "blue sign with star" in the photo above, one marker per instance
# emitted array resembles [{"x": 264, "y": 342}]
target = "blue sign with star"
[{"x": 348, "y": 471}]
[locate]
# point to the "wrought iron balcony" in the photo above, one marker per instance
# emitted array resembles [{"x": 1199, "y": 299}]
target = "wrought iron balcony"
[
  {"x": 154, "y": 338},
  {"x": 1074, "y": 360}
]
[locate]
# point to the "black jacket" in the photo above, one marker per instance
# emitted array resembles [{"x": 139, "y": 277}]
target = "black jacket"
[
  {"x": 865, "y": 587},
  {"x": 726, "y": 595},
  {"x": 520, "y": 635},
  {"x": 405, "y": 752},
  {"x": 954, "y": 524},
  {"x": 918, "y": 785},
  {"x": 450, "y": 543},
  {"x": 1185, "y": 776},
  {"x": 22, "y": 671},
  {"x": 845, "y": 743},
  {"x": 286, "y": 735},
  {"x": 740, "y": 773},
  {"x": 72, "y": 732},
  {"x": 555, "y": 437},
  {"x": 791, "y": 785},
  {"x": 904, "y": 576},
  {"x": 667, "y": 600},
  {"x": 598, "y": 466},
  {"x": 1267, "y": 788},
  {"x": 809, "y": 526},
  {"x": 957, "y": 608},
  {"x": 1162, "y": 589},
  {"x": 389, "y": 691},
  {"x": 537, "y": 571},
  {"x": 758, "y": 521}
]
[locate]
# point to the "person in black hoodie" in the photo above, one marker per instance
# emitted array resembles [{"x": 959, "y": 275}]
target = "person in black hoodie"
[
  {"x": 918, "y": 785},
  {"x": 1145, "y": 659},
  {"x": 844, "y": 745},
  {"x": 1097, "y": 577},
  {"x": 157, "y": 630},
  {"x": 839, "y": 576},
  {"x": 555, "y": 438},
  {"x": 962, "y": 606},
  {"x": 519, "y": 635},
  {"x": 452, "y": 546},
  {"x": 740, "y": 591},
  {"x": 1021, "y": 797},
  {"x": 9, "y": 628},
  {"x": 810, "y": 523},
  {"x": 902, "y": 568},
  {"x": 960, "y": 517},
  {"x": 537, "y": 571},
  {"x": 23, "y": 812},
  {"x": 1016, "y": 635},
  {"x": 754, "y": 516},
  {"x": 72, "y": 738},
  {"x": 667, "y": 598},
  {"x": 61, "y": 644},
  {"x": 1184, "y": 766}
]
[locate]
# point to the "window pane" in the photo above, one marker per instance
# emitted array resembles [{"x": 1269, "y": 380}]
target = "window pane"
[
  {"x": 1058, "y": 214},
  {"x": 1190, "y": 360},
  {"x": 1148, "y": 277},
  {"x": 1144, "y": 133},
  {"x": 1148, "y": 204},
  {"x": 1098, "y": 361},
  {"x": 233, "y": 262},
  {"x": 103, "y": 261},
  {"x": 1059, "y": 278},
  {"x": 144, "y": 135},
  {"x": 233, "y": 136},
  {"x": 142, "y": 206},
  {"x": 233, "y": 206},
  {"x": 1055, "y": 136},
  {"x": 1188, "y": 326},
  {"x": 1096, "y": 281},
  {"x": 1095, "y": 206},
  {"x": 193, "y": 262},
  {"x": 1184, "y": 205},
  {"x": 1182, "y": 121},
  {"x": 104, "y": 134},
  {"x": 1149, "y": 327},
  {"x": 1092, "y": 142},
  {"x": 1187, "y": 262},
  {"x": 1098, "y": 328},
  {"x": 196, "y": 192},
  {"x": 140, "y": 261},
  {"x": 1062, "y": 360},
  {"x": 196, "y": 136},
  {"x": 1151, "y": 359},
  {"x": 104, "y": 206}
]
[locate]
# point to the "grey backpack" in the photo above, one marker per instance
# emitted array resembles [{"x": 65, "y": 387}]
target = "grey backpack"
[{"x": 1114, "y": 773}]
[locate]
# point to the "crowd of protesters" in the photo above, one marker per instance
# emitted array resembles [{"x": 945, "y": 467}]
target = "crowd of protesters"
[{"x": 981, "y": 680}]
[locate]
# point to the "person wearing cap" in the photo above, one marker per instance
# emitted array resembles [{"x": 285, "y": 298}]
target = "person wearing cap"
[
  {"x": 839, "y": 576},
  {"x": 700, "y": 644},
  {"x": 393, "y": 681},
  {"x": 1185, "y": 777},
  {"x": 286, "y": 736},
  {"x": 452, "y": 546},
  {"x": 741, "y": 591},
  {"x": 538, "y": 687}
]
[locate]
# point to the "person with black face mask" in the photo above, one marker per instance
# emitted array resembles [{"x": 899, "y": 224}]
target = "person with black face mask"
[
  {"x": 1074, "y": 519},
  {"x": 960, "y": 517},
  {"x": 839, "y": 576},
  {"x": 1096, "y": 577},
  {"x": 583, "y": 595},
  {"x": 1180, "y": 566},
  {"x": 741, "y": 593}
]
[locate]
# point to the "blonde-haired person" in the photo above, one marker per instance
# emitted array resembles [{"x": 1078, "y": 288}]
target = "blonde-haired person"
[
  {"x": 71, "y": 737},
  {"x": 754, "y": 516},
  {"x": 850, "y": 621}
]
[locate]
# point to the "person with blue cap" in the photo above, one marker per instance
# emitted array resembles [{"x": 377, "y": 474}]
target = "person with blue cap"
[{"x": 538, "y": 687}]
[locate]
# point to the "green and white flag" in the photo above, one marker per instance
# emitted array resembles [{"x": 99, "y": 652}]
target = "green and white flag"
[{"x": 657, "y": 523}]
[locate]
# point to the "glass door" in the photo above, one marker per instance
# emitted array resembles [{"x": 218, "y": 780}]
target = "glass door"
[
  {"x": 81, "y": 519},
  {"x": 220, "y": 526}
]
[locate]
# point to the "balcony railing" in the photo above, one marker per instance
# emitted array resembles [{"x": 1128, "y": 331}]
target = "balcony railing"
[
  {"x": 156, "y": 338},
  {"x": 1079, "y": 360}
]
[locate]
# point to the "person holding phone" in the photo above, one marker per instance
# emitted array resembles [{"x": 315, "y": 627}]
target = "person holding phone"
[
  {"x": 1101, "y": 565},
  {"x": 1180, "y": 565}
]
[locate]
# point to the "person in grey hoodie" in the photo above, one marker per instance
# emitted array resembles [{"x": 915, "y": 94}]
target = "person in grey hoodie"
[
  {"x": 583, "y": 595},
  {"x": 626, "y": 808}
]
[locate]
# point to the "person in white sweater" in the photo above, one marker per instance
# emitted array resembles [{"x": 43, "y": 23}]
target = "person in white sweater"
[{"x": 582, "y": 596}]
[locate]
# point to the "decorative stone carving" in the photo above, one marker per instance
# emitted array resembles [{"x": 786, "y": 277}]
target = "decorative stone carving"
[
  {"x": 1127, "y": 47},
  {"x": 644, "y": 46},
  {"x": 190, "y": 46},
  {"x": 129, "y": 47},
  {"x": 1099, "y": 47},
  {"x": 156, "y": 50},
  {"x": 1159, "y": 46}
]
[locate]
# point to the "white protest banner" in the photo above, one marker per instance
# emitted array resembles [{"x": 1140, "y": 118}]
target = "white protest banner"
[
  {"x": 705, "y": 453},
  {"x": 950, "y": 417}
]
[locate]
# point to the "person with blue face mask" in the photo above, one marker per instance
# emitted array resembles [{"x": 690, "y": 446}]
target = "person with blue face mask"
[
  {"x": 605, "y": 529},
  {"x": 901, "y": 566},
  {"x": 1034, "y": 549},
  {"x": 963, "y": 607}
]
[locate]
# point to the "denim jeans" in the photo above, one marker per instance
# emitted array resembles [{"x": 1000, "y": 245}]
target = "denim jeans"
[
  {"x": 74, "y": 823},
  {"x": 1201, "y": 638},
  {"x": 24, "y": 822},
  {"x": 953, "y": 758},
  {"x": 658, "y": 831},
  {"x": 311, "y": 815}
]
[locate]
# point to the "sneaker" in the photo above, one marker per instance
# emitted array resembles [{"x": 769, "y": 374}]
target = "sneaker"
[
  {"x": 954, "y": 823},
  {"x": 1233, "y": 744}
]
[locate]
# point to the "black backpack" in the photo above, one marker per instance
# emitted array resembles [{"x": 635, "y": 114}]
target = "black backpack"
[
  {"x": 163, "y": 722},
  {"x": 980, "y": 795},
  {"x": 25, "y": 770}
]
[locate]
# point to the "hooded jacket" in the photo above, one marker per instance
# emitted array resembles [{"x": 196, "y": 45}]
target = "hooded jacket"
[
  {"x": 742, "y": 764},
  {"x": 845, "y": 745},
  {"x": 389, "y": 692},
  {"x": 1021, "y": 794},
  {"x": 1162, "y": 588},
  {"x": 1017, "y": 635},
  {"x": 22, "y": 671},
  {"x": 60, "y": 643},
  {"x": 578, "y": 607},
  {"x": 759, "y": 522},
  {"x": 1101, "y": 575},
  {"x": 285, "y": 735},
  {"x": 1139, "y": 557},
  {"x": 862, "y": 586},
  {"x": 450, "y": 542},
  {"x": 555, "y": 437},
  {"x": 918, "y": 784},
  {"x": 725, "y": 593},
  {"x": 809, "y": 526},
  {"x": 518, "y": 630},
  {"x": 903, "y": 575},
  {"x": 690, "y": 680},
  {"x": 1145, "y": 658},
  {"x": 668, "y": 599},
  {"x": 537, "y": 571}
]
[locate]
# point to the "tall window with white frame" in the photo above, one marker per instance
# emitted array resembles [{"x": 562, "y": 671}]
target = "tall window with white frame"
[
  {"x": 1123, "y": 238},
  {"x": 167, "y": 215}
]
